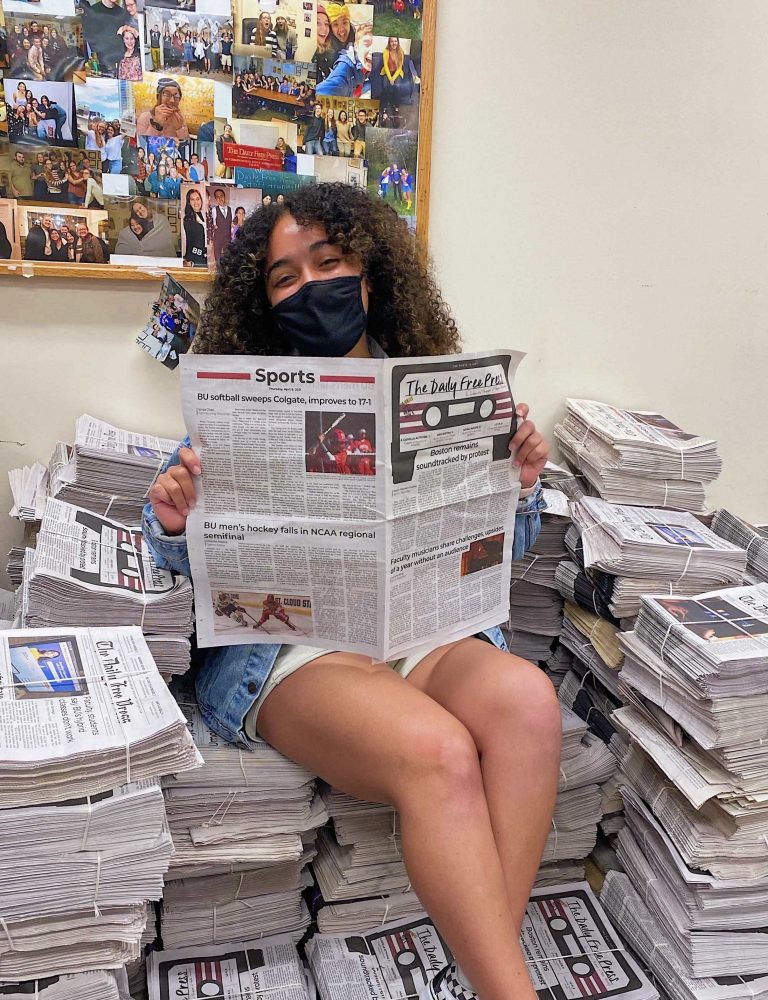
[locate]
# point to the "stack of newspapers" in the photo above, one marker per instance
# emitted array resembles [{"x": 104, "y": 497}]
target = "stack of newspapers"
[
  {"x": 87, "y": 727},
  {"x": 29, "y": 488},
  {"x": 536, "y": 607},
  {"x": 260, "y": 967},
  {"x": 569, "y": 946},
  {"x": 109, "y": 470},
  {"x": 753, "y": 539},
  {"x": 87, "y": 570},
  {"x": 695, "y": 781},
  {"x": 633, "y": 457},
  {"x": 243, "y": 829},
  {"x": 101, "y": 985}
]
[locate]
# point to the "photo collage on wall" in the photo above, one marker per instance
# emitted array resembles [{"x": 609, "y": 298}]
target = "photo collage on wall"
[{"x": 146, "y": 131}]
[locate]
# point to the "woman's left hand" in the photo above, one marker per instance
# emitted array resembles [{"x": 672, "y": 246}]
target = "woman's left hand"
[{"x": 529, "y": 447}]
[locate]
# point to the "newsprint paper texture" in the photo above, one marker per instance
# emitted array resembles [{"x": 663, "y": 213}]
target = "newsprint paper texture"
[{"x": 353, "y": 504}]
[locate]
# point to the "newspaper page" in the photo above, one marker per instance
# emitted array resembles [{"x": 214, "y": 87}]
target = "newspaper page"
[
  {"x": 100, "y": 554},
  {"x": 7, "y": 608},
  {"x": 394, "y": 962},
  {"x": 253, "y": 970},
  {"x": 572, "y": 951},
  {"x": 65, "y": 691},
  {"x": 352, "y": 504}
]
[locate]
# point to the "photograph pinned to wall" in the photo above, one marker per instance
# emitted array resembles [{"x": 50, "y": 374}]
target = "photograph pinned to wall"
[
  {"x": 164, "y": 165},
  {"x": 194, "y": 228},
  {"x": 267, "y": 88},
  {"x": 391, "y": 155},
  {"x": 265, "y": 145},
  {"x": 345, "y": 120},
  {"x": 173, "y": 322},
  {"x": 402, "y": 18},
  {"x": 275, "y": 29},
  {"x": 275, "y": 614},
  {"x": 40, "y": 111},
  {"x": 396, "y": 81},
  {"x": 350, "y": 63},
  {"x": 111, "y": 29},
  {"x": 272, "y": 183},
  {"x": 57, "y": 8},
  {"x": 44, "y": 47},
  {"x": 49, "y": 174},
  {"x": 172, "y": 106},
  {"x": 106, "y": 125},
  {"x": 63, "y": 236},
  {"x": 334, "y": 169},
  {"x": 228, "y": 208},
  {"x": 9, "y": 236},
  {"x": 203, "y": 39},
  {"x": 143, "y": 227}
]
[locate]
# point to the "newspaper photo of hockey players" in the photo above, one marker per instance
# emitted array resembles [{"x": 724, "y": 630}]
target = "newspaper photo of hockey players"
[
  {"x": 272, "y": 614},
  {"x": 340, "y": 443}
]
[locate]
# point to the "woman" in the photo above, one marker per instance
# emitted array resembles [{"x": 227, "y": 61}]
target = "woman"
[
  {"x": 237, "y": 222},
  {"x": 343, "y": 135},
  {"x": 464, "y": 739},
  {"x": 94, "y": 195},
  {"x": 205, "y": 37},
  {"x": 195, "y": 245},
  {"x": 165, "y": 118},
  {"x": 39, "y": 188},
  {"x": 147, "y": 234},
  {"x": 21, "y": 97},
  {"x": 393, "y": 76},
  {"x": 141, "y": 168},
  {"x": 70, "y": 245},
  {"x": 262, "y": 31},
  {"x": 222, "y": 170},
  {"x": 129, "y": 67},
  {"x": 96, "y": 137},
  {"x": 342, "y": 32},
  {"x": 51, "y": 110},
  {"x": 58, "y": 247},
  {"x": 286, "y": 39},
  {"x": 76, "y": 184},
  {"x": 113, "y": 149},
  {"x": 55, "y": 182},
  {"x": 284, "y": 149},
  {"x": 182, "y": 168},
  {"x": 330, "y": 148}
]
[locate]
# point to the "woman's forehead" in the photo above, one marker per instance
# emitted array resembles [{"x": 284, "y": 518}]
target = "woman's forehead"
[{"x": 289, "y": 239}]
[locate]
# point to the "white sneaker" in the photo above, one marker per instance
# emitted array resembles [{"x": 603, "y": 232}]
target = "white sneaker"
[{"x": 446, "y": 985}]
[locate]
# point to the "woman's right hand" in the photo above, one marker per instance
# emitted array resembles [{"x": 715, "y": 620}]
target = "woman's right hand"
[{"x": 173, "y": 492}]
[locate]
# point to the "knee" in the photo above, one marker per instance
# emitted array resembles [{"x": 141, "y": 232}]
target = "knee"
[
  {"x": 443, "y": 760},
  {"x": 522, "y": 704}
]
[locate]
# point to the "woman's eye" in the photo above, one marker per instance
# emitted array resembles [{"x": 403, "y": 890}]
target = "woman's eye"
[{"x": 330, "y": 260}]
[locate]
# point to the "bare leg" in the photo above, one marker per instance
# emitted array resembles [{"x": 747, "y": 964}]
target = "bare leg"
[
  {"x": 510, "y": 708},
  {"x": 366, "y": 731}
]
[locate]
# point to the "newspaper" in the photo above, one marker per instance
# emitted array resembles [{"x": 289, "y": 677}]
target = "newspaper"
[
  {"x": 569, "y": 946},
  {"x": 252, "y": 969},
  {"x": 83, "y": 710},
  {"x": 7, "y": 608},
  {"x": 358, "y": 504}
]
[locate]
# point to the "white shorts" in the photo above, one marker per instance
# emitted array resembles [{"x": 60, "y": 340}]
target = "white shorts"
[{"x": 291, "y": 658}]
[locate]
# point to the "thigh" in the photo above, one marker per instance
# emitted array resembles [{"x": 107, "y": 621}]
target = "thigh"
[
  {"x": 489, "y": 691},
  {"x": 359, "y": 726}
]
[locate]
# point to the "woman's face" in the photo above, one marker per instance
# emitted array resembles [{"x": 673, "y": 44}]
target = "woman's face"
[
  {"x": 55, "y": 235},
  {"x": 298, "y": 254},
  {"x": 281, "y": 25},
  {"x": 342, "y": 116},
  {"x": 265, "y": 21},
  {"x": 323, "y": 28},
  {"x": 196, "y": 201},
  {"x": 140, "y": 210},
  {"x": 240, "y": 216},
  {"x": 129, "y": 40},
  {"x": 41, "y": 159},
  {"x": 110, "y": 132},
  {"x": 393, "y": 45},
  {"x": 364, "y": 42},
  {"x": 340, "y": 28},
  {"x": 170, "y": 97},
  {"x": 135, "y": 226}
]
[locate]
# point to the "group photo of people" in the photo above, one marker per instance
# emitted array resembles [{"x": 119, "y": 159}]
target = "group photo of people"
[
  {"x": 39, "y": 111},
  {"x": 142, "y": 228},
  {"x": 172, "y": 324},
  {"x": 254, "y": 92},
  {"x": 66, "y": 238},
  {"x": 111, "y": 30},
  {"x": 275, "y": 29},
  {"x": 44, "y": 48},
  {"x": 51, "y": 175},
  {"x": 184, "y": 42}
]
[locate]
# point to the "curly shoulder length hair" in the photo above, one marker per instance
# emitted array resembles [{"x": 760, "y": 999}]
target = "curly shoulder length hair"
[{"x": 406, "y": 312}]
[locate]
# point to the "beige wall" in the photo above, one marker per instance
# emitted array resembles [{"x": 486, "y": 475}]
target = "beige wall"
[{"x": 599, "y": 199}]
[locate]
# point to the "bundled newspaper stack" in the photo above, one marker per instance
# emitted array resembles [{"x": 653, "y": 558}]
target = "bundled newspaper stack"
[
  {"x": 109, "y": 471},
  {"x": 753, "y": 540},
  {"x": 261, "y": 967},
  {"x": 536, "y": 607},
  {"x": 569, "y": 945},
  {"x": 7, "y": 608},
  {"x": 632, "y": 457},
  {"x": 88, "y": 570},
  {"x": 243, "y": 828},
  {"x": 102, "y": 985},
  {"x": 29, "y": 487},
  {"x": 87, "y": 725},
  {"x": 696, "y": 777},
  {"x": 15, "y": 564}
]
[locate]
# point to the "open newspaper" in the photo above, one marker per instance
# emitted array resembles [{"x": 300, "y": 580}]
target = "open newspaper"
[{"x": 352, "y": 504}]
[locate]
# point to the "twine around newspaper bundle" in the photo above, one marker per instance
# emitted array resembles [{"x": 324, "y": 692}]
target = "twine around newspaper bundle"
[{"x": 733, "y": 622}]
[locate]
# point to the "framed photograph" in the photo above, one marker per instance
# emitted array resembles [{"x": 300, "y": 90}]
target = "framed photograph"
[{"x": 144, "y": 135}]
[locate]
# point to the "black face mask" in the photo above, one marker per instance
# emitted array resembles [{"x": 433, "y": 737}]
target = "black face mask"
[{"x": 324, "y": 319}]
